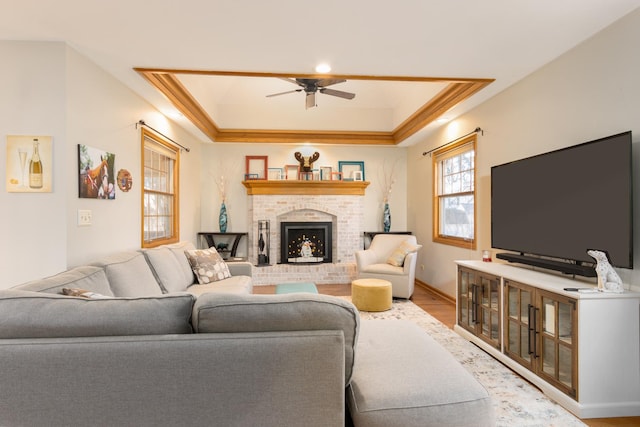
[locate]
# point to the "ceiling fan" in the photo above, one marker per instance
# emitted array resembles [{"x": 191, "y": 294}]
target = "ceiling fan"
[{"x": 312, "y": 86}]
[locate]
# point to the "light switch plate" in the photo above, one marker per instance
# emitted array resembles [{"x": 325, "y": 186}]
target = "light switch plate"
[{"x": 84, "y": 217}]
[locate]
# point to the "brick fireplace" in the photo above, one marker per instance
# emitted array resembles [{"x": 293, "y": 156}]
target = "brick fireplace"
[{"x": 345, "y": 213}]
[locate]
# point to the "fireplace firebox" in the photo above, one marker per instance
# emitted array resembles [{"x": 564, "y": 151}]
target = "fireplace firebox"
[{"x": 305, "y": 242}]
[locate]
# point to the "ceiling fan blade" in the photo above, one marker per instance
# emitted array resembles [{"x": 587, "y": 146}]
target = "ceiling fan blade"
[
  {"x": 310, "y": 100},
  {"x": 287, "y": 79},
  {"x": 284, "y": 93},
  {"x": 329, "y": 82},
  {"x": 338, "y": 93}
]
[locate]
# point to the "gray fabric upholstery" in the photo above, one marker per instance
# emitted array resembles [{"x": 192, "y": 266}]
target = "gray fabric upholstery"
[
  {"x": 239, "y": 285},
  {"x": 404, "y": 378},
  {"x": 170, "y": 266},
  {"x": 129, "y": 275},
  {"x": 240, "y": 268},
  {"x": 25, "y": 314},
  {"x": 264, "y": 379},
  {"x": 284, "y": 312},
  {"x": 86, "y": 277}
]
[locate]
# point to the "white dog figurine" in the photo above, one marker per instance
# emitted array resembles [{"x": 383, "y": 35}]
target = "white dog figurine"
[{"x": 608, "y": 279}]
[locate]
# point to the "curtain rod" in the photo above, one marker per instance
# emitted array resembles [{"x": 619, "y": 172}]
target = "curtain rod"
[
  {"x": 476, "y": 130},
  {"x": 142, "y": 123}
]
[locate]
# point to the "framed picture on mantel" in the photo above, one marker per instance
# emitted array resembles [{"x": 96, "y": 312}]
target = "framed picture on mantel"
[
  {"x": 257, "y": 165},
  {"x": 349, "y": 170}
]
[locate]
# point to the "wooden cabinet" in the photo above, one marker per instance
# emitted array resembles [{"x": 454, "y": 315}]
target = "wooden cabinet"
[
  {"x": 582, "y": 349},
  {"x": 479, "y": 304},
  {"x": 540, "y": 333}
]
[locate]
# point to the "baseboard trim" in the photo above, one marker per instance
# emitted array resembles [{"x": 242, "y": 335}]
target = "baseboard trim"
[{"x": 436, "y": 291}]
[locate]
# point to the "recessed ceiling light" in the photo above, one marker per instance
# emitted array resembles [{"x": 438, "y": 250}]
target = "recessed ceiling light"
[
  {"x": 443, "y": 120},
  {"x": 323, "y": 68}
]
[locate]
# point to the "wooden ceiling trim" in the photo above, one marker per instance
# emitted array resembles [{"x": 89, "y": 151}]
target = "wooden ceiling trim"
[
  {"x": 298, "y": 136},
  {"x": 167, "y": 83},
  {"x": 446, "y": 99},
  {"x": 181, "y": 98}
]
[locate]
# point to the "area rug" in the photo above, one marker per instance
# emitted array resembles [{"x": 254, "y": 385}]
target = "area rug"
[{"x": 517, "y": 402}]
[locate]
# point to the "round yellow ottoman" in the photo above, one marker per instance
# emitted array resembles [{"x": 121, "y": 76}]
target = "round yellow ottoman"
[{"x": 371, "y": 294}]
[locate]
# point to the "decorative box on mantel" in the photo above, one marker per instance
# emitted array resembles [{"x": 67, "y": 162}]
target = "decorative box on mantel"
[{"x": 269, "y": 187}]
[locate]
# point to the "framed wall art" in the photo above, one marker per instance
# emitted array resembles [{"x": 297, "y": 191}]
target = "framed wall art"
[
  {"x": 29, "y": 164},
  {"x": 96, "y": 179}
]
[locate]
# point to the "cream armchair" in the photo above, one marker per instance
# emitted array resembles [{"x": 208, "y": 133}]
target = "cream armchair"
[{"x": 373, "y": 262}]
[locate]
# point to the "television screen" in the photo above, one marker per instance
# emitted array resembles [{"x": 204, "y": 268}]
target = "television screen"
[{"x": 562, "y": 203}]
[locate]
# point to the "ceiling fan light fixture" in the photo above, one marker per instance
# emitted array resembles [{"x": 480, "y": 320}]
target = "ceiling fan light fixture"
[{"x": 323, "y": 68}]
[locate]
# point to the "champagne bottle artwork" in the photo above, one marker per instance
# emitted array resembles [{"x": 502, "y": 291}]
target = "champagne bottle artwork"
[
  {"x": 29, "y": 164},
  {"x": 35, "y": 167}
]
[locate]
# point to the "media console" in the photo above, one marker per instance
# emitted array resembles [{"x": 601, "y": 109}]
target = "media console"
[
  {"x": 564, "y": 267},
  {"x": 581, "y": 348}
]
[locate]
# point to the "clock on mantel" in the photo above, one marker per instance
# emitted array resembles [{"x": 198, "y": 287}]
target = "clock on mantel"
[{"x": 291, "y": 187}]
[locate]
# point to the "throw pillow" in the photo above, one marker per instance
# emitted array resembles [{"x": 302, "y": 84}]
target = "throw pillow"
[
  {"x": 82, "y": 293},
  {"x": 208, "y": 265},
  {"x": 397, "y": 256}
]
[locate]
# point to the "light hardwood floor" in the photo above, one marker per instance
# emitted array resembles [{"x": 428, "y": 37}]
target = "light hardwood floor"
[{"x": 445, "y": 310}]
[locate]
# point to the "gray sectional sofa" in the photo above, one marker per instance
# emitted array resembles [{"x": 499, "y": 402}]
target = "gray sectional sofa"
[{"x": 162, "y": 350}]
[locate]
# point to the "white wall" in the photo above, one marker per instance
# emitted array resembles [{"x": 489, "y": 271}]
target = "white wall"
[
  {"x": 229, "y": 160},
  {"x": 32, "y": 225},
  {"x": 590, "y": 92},
  {"x": 49, "y": 89}
]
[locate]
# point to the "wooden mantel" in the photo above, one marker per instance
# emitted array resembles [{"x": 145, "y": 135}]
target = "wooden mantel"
[{"x": 270, "y": 187}]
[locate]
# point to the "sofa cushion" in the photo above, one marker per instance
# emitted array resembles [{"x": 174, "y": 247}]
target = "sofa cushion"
[
  {"x": 129, "y": 275},
  {"x": 25, "y": 314},
  {"x": 241, "y": 285},
  {"x": 171, "y": 267},
  {"x": 215, "y": 312},
  {"x": 91, "y": 278},
  {"x": 397, "y": 256},
  {"x": 208, "y": 265}
]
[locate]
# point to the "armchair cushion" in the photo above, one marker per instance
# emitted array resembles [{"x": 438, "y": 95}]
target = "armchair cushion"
[{"x": 397, "y": 256}]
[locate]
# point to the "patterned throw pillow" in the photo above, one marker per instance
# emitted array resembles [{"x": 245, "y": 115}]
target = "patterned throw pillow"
[
  {"x": 208, "y": 265},
  {"x": 397, "y": 256}
]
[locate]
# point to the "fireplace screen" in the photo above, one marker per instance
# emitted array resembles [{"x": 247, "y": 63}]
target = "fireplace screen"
[{"x": 305, "y": 242}]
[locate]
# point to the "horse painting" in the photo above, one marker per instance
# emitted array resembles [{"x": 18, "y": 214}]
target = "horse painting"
[{"x": 95, "y": 182}]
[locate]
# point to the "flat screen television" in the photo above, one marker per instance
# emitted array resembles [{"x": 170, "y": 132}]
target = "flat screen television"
[{"x": 551, "y": 208}]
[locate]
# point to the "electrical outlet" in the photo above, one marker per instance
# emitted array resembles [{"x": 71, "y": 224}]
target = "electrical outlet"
[
  {"x": 84, "y": 217},
  {"x": 422, "y": 267}
]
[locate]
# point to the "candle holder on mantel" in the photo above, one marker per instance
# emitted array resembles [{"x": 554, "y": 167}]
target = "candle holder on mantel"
[{"x": 263, "y": 242}]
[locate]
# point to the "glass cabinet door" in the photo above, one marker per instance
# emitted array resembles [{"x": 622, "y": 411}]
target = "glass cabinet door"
[
  {"x": 558, "y": 346},
  {"x": 466, "y": 306},
  {"x": 488, "y": 304},
  {"x": 519, "y": 323}
]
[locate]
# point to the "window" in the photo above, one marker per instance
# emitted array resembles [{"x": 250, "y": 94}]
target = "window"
[
  {"x": 160, "y": 218},
  {"x": 454, "y": 194}
]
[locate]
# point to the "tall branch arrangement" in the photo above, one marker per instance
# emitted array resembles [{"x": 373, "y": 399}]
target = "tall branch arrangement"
[{"x": 388, "y": 179}]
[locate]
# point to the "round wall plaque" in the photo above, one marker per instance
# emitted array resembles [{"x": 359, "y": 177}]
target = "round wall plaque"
[{"x": 124, "y": 180}]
